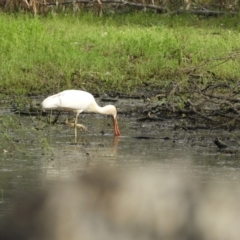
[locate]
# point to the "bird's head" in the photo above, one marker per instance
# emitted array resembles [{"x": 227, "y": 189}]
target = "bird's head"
[{"x": 112, "y": 111}]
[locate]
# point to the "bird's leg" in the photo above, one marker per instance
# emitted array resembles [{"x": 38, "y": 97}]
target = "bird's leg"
[
  {"x": 82, "y": 127},
  {"x": 75, "y": 123},
  {"x": 79, "y": 125},
  {"x": 55, "y": 119},
  {"x": 66, "y": 121},
  {"x": 75, "y": 127}
]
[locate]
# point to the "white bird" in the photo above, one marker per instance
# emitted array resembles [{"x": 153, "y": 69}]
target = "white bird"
[{"x": 79, "y": 101}]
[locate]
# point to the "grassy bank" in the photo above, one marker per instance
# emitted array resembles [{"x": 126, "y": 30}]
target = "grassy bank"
[{"x": 114, "y": 53}]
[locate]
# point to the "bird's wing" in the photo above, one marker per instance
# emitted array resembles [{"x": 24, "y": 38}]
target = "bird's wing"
[{"x": 74, "y": 100}]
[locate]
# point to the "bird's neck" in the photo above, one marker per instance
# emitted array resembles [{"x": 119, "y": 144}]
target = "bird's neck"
[{"x": 107, "y": 110}]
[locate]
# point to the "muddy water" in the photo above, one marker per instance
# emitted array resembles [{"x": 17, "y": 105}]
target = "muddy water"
[{"x": 34, "y": 154}]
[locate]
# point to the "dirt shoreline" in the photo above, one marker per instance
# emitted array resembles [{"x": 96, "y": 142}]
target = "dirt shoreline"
[{"x": 155, "y": 111}]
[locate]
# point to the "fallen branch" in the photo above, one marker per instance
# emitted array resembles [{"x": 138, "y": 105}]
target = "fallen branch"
[
  {"x": 80, "y": 1},
  {"x": 160, "y": 9},
  {"x": 206, "y": 64},
  {"x": 214, "y": 106}
]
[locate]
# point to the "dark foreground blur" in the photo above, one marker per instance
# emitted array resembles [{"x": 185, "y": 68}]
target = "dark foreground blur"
[{"x": 109, "y": 204}]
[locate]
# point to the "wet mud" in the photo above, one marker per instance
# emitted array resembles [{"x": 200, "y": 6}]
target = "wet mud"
[
  {"x": 35, "y": 153},
  {"x": 145, "y": 112}
]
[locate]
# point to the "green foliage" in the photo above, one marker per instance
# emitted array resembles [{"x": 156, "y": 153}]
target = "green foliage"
[{"x": 113, "y": 53}]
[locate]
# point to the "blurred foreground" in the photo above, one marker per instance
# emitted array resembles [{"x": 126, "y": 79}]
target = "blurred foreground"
[{"x": 111, "y": 204}]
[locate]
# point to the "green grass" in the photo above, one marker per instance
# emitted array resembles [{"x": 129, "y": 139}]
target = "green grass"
[{"x": 113, "y": 53}]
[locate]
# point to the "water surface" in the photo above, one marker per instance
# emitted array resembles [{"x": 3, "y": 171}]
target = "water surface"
[{"x": 34, "y": 154}]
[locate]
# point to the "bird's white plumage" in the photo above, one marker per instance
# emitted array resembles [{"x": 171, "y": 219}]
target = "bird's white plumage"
[
  {"x": 74, "y": 100},
  {"x": 78, "y": 101}
]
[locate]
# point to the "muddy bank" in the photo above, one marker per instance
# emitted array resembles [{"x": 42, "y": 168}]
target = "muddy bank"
[
  {"x": 197, "y": 105},
  {"x": 34, "y": 152},
  {"x": 207, "y": 112}
]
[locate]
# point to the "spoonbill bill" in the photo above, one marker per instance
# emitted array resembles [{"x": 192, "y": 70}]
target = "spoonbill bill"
[{"x": 78, "y": 101}]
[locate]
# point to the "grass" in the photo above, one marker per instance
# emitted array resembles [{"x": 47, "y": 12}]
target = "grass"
[{"x": 114, "y": 53}]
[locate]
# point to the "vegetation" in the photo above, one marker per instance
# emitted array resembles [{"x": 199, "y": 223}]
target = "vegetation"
[{"x": 114, "y": 53}]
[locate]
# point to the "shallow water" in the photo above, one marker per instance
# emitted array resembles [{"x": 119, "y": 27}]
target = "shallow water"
[{"x": 34, "y": 154}]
